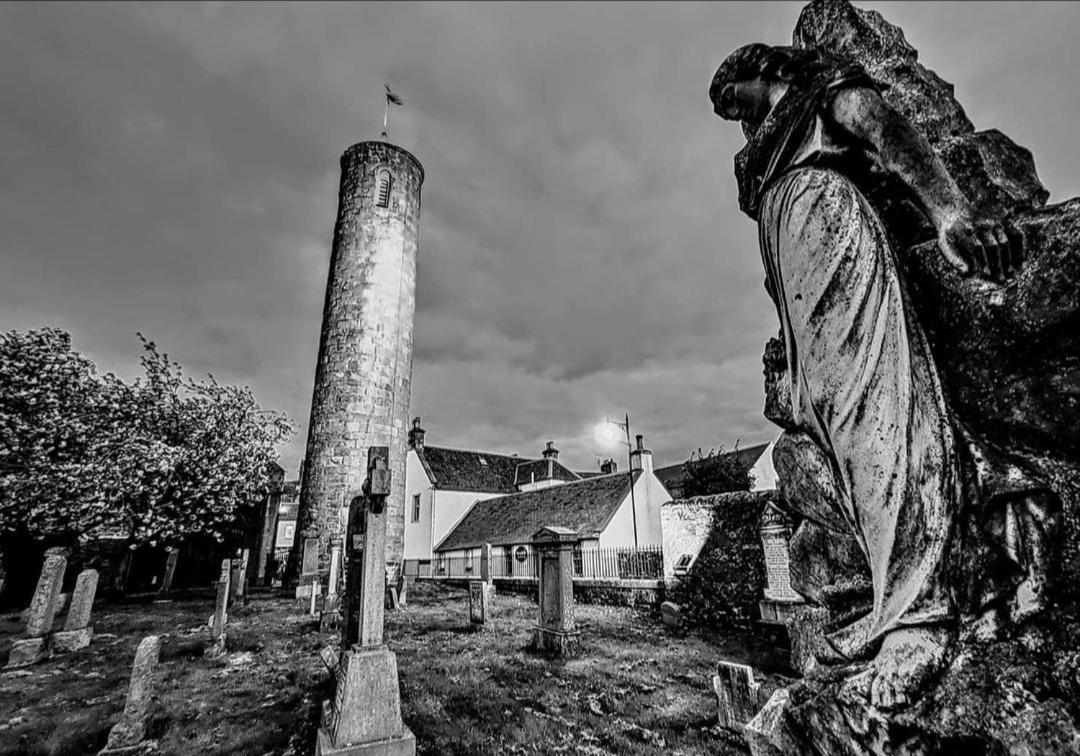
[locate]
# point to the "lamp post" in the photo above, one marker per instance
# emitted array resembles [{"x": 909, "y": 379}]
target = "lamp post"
[{"x": 629, "y": 467}]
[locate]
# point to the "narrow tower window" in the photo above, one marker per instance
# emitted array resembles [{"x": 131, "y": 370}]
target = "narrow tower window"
[{"x": 383, "y": 181}]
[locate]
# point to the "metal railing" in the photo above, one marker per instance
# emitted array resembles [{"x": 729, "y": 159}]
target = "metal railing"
[{"x": 641, "y": 563}]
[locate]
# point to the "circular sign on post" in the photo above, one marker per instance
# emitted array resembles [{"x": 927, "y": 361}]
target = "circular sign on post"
[{"x": 521, "y": 553}]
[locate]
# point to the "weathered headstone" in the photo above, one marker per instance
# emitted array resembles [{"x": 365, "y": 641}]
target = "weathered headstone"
[
  {"x": 331, "y": 611},
  {"x": 170, "y": 569},
  {"x": 128, "y": 733},
  {"x": 555, "y": 633},
  {"x": 403, "y": 589},
  {"x": 238, "y": 578},
  {"x": 479, "y": 603},
  {"x": 365, "y": 715},
  {"x": 739, "y": 697},
  {"x": 309, "y": 569},
  {"x": 780, "y": 600},
  {"x": 77, "y": 631},
  {"x": 481, "y": 591},
  {"x": 30, "y": 648},
  {"x": 316, "y": 592},
  {"x": 671, "y": 615},
  {"x": 220, "y": 620}
]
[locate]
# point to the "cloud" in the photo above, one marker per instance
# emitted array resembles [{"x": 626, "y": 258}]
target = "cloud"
[{"x": 173, "y": 169}]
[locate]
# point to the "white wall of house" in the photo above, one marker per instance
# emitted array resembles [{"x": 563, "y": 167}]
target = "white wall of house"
[
  {"x": 649, "y": 495},
  {"x": 440, "y": 510},
  {"x": 418, "y": 532},
  {"x": 765, "y": 478}
]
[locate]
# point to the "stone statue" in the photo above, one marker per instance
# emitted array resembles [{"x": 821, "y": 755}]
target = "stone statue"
[{"x": 954, "y": 530}]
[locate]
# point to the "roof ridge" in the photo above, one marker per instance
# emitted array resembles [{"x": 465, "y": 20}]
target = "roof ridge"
[{"x": 486, "y": 453}]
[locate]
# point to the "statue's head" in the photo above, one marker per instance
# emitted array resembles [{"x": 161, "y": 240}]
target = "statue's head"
[{"x": 742, "y": 85}]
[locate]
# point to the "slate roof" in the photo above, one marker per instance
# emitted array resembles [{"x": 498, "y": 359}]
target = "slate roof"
[
  {"x": 539, "y": 468},
  {"x": 461, "y": 470},
  {"x": 585, "y": 506},
  {"x": 673, "y": 476}
]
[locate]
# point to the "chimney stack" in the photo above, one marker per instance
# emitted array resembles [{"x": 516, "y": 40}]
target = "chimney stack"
[
  {"x": 416, "y": 435},
  {"x": 640, "y": 457},
  {"x": 551, "y": 452},
  {"x": 608, "y": 466}
]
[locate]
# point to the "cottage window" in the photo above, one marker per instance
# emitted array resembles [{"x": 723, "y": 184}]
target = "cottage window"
[
  {"x": 383, "y": 182},
  {"x": 416, "y": 508}
]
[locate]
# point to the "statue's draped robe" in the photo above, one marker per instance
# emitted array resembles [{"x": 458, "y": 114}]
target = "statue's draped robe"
[{"x": 944, "y": 520}]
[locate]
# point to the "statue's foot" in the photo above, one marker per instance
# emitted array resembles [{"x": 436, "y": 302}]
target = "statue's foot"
[{"x": 908, "y": 658}]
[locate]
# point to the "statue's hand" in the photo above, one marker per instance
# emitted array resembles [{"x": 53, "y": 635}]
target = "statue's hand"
[{"x": 980, "y": 246}]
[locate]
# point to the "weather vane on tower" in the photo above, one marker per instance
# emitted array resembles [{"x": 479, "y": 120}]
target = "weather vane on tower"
[{"x": 390, "y": 98}]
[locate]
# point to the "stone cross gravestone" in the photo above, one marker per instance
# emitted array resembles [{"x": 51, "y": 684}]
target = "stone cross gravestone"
[
  {"x": 219, "y": 621},
  {"x": 555, "y": 633},
  {"x": 77, "y": 631},
  {"x": 30, "y": 648},
  {"x": 365, "y": 715},
  {"x": 126, "y": 734}
]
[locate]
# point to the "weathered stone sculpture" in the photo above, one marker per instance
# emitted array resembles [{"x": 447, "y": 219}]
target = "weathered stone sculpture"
[{"x": 927, "y": 379}]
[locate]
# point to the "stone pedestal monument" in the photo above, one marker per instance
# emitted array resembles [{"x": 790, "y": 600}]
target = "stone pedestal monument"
[
  {"x": 365, "y": 715},
  {"x": 926, "y": 379},
  {"x": 555, "y": 633},
  {"x": 364, "y": 370}
]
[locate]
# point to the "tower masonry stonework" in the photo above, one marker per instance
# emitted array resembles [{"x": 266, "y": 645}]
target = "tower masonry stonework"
[{"x": 364, "y": 372}]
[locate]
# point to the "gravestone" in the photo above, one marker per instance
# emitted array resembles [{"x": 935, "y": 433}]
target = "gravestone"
[
  {"x": 238, "y": 578},
  {"x": 739, "y": 696},
  {"x": 31, "y": 647},
  {"x": 554, "y": 633},
  {"x": 331, "y": 611},
  {"x": 403, "y": 588},
  {"x": 309, "y": 568},
  {"x": 365, "y": 715},
  {"x": 220, "y": 619},
  {"x": 314, "y": 596},
  {"x": 781, "y": 600},
  {"x": 671, "y": 615},
  {"x": 128, "y": 733},
  {"x": 77, "y": 631},
  {"x": 170, "y": 569},
  {"x": 481, "y": 591}
]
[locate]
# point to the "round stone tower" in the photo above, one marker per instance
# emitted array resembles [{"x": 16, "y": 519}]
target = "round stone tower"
[{"x": 364, "y": 372}]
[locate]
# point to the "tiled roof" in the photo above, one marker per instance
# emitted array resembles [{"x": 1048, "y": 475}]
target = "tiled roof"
[
  {"x": 673, "y": 476},
  {"x": 460, "y": 470},
  {"x": 585, "y": 506},
  {"x": 537, "y": 469}
]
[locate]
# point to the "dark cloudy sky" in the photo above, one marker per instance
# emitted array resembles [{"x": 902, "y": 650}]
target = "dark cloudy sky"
[{"x": 173, "y": 169}]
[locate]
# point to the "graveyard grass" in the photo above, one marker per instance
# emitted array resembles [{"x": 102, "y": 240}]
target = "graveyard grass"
[{"x": 635, "y": 687}]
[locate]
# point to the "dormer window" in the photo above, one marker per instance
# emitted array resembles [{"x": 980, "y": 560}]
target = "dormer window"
[{"x": 383, "y": 183}]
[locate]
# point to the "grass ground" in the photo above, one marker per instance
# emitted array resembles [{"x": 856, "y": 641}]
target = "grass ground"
[{"x": 635, "y": 688}]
